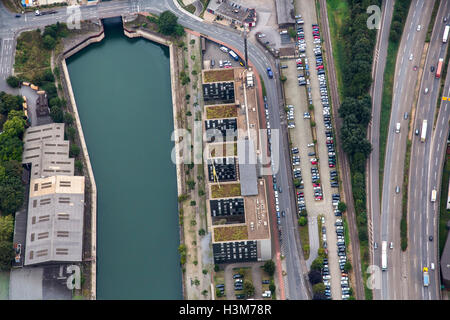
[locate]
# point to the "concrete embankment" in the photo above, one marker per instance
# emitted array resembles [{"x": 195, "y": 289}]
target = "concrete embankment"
[{"x": 83, "y": 43}]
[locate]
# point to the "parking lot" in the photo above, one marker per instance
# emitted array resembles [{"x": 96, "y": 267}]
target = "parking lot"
[
  {"x": 214, "y": 53},
  {"x": 306, "y": 89}
]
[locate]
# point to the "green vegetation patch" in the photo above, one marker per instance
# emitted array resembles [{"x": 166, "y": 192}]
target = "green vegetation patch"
[
  {"x": 228, "y": 150},
  {"x": 230, "y": 233},
  {"x": 225, "y": 190},
  {"x": 216, "y": 112},
  {"x": 218, "y": 75}
]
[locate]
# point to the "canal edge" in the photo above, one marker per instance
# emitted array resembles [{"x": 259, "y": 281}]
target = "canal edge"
[{"x": 68, "y": 53}]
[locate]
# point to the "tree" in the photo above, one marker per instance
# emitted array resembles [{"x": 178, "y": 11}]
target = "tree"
[
  {"x": 190, "y": 184},
  {"x": 321, "y": 253},
  {"x": 216, "y": 268},
  {"x": 302, "y": 221},
  {"x": 6, "y": 255},
  {"x": 292, "y": 33},
  {"x": 317, "y": 264},
  {"x": 79, "y": 165},
  {"x": 319, "y": 288},
  {"x": 348, "y": 266},
  {"x": 272, "y": 287},
  {"x": 167, "y": 22},
  {"x": 56, "y": 114},
  {"x": 314, "y": 277},
  {"x": 218, "y": 293},
  {"x": 11, "y": 148},
  {"x": 11, "y": 187},
  {"x": 68, "y": 118},
  {"x": 201, "y": 232},
  {"x": 342, "y": 207},
  {"x": 71, "y": 133},
  {"x": 6, "y": 227},
  {"x": 269, "y": 267},
  {"x": 14, "y": 127},
  {"x": 74, "y": 150},
  {"x": 49, "y": 42},
  {"x": 12, "y": 81},
  {"x": 249, "y": 289}
]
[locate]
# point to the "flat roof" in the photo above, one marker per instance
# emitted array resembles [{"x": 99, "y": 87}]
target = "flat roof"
[
  {"x": 247, "y": 167},
  {"x": 55, "y": 220}
]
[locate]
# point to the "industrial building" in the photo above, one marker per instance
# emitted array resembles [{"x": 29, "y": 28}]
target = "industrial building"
[
  {"x": 233, "y": 12},
  {"x": 55, "y": 220},
  {"x": 45, "y": 151},
  {"x": 285, "y": 13}
]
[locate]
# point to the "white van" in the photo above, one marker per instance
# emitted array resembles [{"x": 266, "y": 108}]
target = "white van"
[
  {"x": 432, "y": 266},
  {"x": 397, "y": 127},
  {"x": 224, "y": 49}
]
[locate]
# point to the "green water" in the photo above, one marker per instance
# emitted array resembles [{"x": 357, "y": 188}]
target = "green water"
[{"x": 122, "y": 90}]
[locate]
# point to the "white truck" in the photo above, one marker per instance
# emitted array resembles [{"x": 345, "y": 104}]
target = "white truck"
[
  {"x": 424, "y": 131},
  {"x": 433, "y": 195},
  {"x": 445, "y": 37},
  {"x": 384, "y": 255}
]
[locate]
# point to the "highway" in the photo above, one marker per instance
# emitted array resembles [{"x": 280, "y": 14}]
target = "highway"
[
  {"x": 373, "y": 165},
  {"x": 426, "y": 167},
  {"x": 394, "y": 284},
  {"x": 295, "y": 265}
]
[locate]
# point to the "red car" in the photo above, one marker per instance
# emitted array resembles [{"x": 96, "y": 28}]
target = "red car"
[
  {"x": 329, "y": 141},
  {"x": 316, "y": 184},
  {"x": 331, "y": 165},
  {"x": 319, "y": 67}
]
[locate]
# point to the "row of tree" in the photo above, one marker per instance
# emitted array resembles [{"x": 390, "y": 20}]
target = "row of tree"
[
  {"x": 356, "y": 107},
  {"x": 11, "y": 186},
  {"x": 167, "y": 24}
]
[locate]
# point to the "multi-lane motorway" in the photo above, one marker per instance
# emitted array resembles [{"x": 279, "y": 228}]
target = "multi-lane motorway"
[
  {"x": 426, "y": 161},
  {"x": 10, "y": 26},
  {"x": 393, "y": 284}
]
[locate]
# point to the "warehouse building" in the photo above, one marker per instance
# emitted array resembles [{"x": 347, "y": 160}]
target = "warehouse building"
[{"x": 55, "y": 220}]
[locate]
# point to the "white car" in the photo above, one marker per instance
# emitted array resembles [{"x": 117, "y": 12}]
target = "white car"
[
  {"x": 426, "y": 90},
  {"x": 310, "y": 145},
  {"x": 411, "y": 57},
  {"x": 419, "y": 27},
  {"x": 327, "y": 277},
  {"x": 391, "y": 245}
]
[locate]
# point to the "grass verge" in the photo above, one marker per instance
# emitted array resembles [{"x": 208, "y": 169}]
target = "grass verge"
[
  {"x": 386, "y": 101},
  {"x": 340, "y": 12},
  {"x": 304, "y": 239},
  {"x": 404, "y": 221}
]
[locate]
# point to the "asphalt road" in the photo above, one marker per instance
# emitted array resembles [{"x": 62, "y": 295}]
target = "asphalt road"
[
  {"x": 296, "y": 268},
  {"x": 373, "y": 165},
  {"x": 394, "y": 285},
  {"x": 426, "y": 167}
]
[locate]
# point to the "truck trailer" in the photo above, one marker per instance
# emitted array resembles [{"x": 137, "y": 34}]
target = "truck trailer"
[
  {"x": 445, "y": 37},
  {"x": 424, "y": 131},
  {"x": 439, "y": 68}
]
